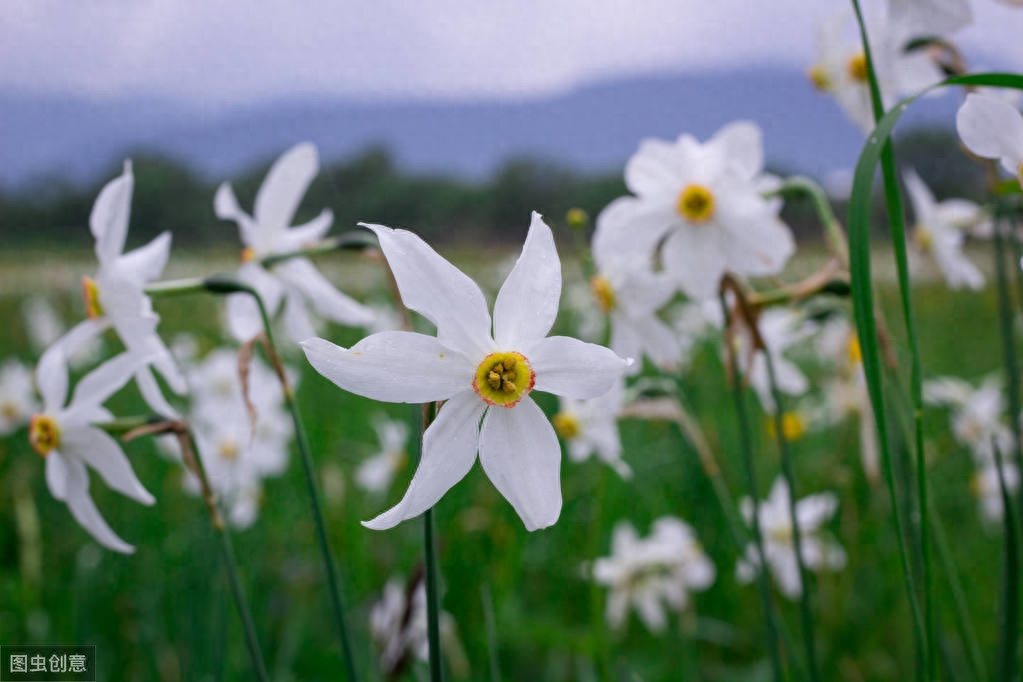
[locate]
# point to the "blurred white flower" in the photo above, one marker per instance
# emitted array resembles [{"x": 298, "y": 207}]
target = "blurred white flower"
[
  {"x": 484, "y": 376},
  {"x": 267, "y": 232},
  {"x": 17, "y": 396},
  {"x": 705, "y": 201},
  {"x": 591, "y": 427},
  {"x": 992, "y": 128},
  {"x": 44, "y": 327},
  {"x": 780, "y": 329},
  {"x": 398, "y": 627},
  {"x": 376, "y": 474},
  {"x": 116, "y": 297},
  {"x": 988, "y": 490},
  {"x": 977, "y": 414},
  {"x": 840, "y": 68},
  {"x": 930, "y": 18},
  {"x": 630, "y": 293},
  {"x": 589, "y": 321},
  {"x": 692, "y": 323},
  {"x": 385, "y": 319},
  {"x": 652, "y": 573},
  {"x": 940, "y": 231},
  {"x": 64, "y": 435},
  {"x": 820, "y": 553}
]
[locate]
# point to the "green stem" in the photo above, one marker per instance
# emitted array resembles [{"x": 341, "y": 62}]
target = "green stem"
[
  {"x": 432, "y": 569},
  {"x": 1006, "y": 317},
  {"x": 221, "y": 284},
  {"x": 596, "y": 614},
  {"x": 896, "y": 219},
  {"x": 802, "y": 186},
  {"x": 797, "y": 533},
  {"x": 348, "y": 241},
  {"x": 490, "y": 623},
  {"x": 738, "y": 395},
  {"x": 955, "y": 585}
]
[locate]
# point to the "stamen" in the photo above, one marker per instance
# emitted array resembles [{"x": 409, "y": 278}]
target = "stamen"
[
  {"x": 819, "y": 77},
  {"x": 566, "y": 424},
  {"x": 857, "y": 68},
  {"x": 43, "y": 434},
  {"x": 248, "y": 254},
  {"x": 502, "y": 379},
  {"x": 853, "y": 349},
  {"x": 90, "y": 294},
  {"x": 602, "y": 291},
  {"x": 696, "y": 204},
  {"x": 923, "y": 238}
]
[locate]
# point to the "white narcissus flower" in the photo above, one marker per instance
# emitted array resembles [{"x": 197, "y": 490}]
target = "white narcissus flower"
[
  {"x": 591, "y": 427},
  {"x": 780, "y": 329},
  {"x": 398, "y": 627},
  {"x": 653, "y": 572},
  {"x": 706, "y": 202},
  {"x": 116, "y": 298},
  {"x": 840, "y": 68},
  {"x": 376, "y": 474},
  {"x": 630, "y": 293},
  {"x": 17, "y": 396},
  {"x": 64, "y": 435},
  {"x": 820, "y": 553},
  {"x": 977, "y": 414},
  {"x": 484, "y": 369},
  {"x": 992, "y": 128},
  {"x": 267, "y": 232},
  {"x": 940, "y": 232}
]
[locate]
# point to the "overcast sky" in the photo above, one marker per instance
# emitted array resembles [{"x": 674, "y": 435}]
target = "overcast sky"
[{"x": 220, "y": 52}]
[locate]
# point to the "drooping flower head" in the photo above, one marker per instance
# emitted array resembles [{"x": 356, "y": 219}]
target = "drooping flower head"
[
  {"x": 992, "y": 128},
  {"x": 705, "y": 201},
  {"x": 295, "y": 283},
  {"x": 485, "y": 368},
  {"x": 63, "y": 433},
  {"x": 115, "y": 297}
]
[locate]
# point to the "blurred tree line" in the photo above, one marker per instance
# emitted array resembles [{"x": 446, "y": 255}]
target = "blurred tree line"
[{"x": 371, "y": 187}]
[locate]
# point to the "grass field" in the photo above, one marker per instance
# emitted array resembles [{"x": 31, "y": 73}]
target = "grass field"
[{"x": 165, "y": 614}]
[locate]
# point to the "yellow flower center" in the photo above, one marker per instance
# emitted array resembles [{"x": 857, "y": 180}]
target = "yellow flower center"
[
  {"x": 43, "y": 434},
  {"x": 923, "y": 238},
  {"x": 793, "y": 426},
  {"x": 819, "y": 77},
  {"x": 857, "y": 68},
  {"x": 228, "y": 450},
  {"x": 853, "y": 349},
  {"x": 696, "y": 204},
  {"x": 603, "y": 292},
  {"x": 503, "y": 379},
  {"x": 248, "y": 254},
  {"x": 90, "y": 294},
  {"x": 577, "y": 218},
  {"x": 782, "y": 534},
  {"x": 567, "y": 425},
  {"x": 9, "y": 410}
]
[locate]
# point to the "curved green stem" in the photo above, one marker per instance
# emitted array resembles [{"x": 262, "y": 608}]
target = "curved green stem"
[
  {"x": 746, "y": 447},
  {"x": 432, "y": 568},
  {"x": 349, "y": 241},
  {"x": 797, "y": 533},
  {"x": 805, "y": 187}
]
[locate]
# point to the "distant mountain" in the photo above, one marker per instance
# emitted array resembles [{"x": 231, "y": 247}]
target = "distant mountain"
[{"x": 595, "y": 127}]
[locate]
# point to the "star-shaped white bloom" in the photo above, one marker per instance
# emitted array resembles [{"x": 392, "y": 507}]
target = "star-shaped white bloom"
[
  {"x": 840, "y": 68},
  {"x": 115, "y": 297},
  {"x": 819, "y": 552},
  {"x": 376, "y": 474},
  {"x": 267, "y": 232},
  {"x": 591, "y": 427},
  {"x": 992, "y": 128},
  {"x": 630, "y": 292},
  {"x": 63, "y": 434},
  {"x": 939, "y": 233},
  {"x": 705, "y": 201},
  {"x": 653, "y": 572},
  {"x": 17, "y": 396},
  {"x": 977, "y": 414},
  {"x": 484, "y": 370}
]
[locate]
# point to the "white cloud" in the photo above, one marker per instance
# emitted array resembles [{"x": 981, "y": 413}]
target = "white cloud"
[{"x": 215, "y": 52}]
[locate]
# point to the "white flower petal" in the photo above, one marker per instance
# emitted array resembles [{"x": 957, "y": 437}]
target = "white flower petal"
[
  {"x": 146, "y": 263},
  {"x": 742, "y": 144},
  {"x": 51, "y": 377},
  {"x": 56, "y": 475},
  {"x": 394, "y": 367},
  {"x": 920, "y": 196},
  {"x": 630, "y": 227},
  {"x": 449, "y": 451},
  {"x": 692, "y": 256},
  {"x": 225, "y": 206},
  {"x": 520, "y": 454},
  {"x": 284, "y": 187},
  {"x": 102, "y": 382},
  {"x": 527, "y": 303},
  {"x": 110, "y": 214},
  {"x": 307, "y": 234},
  {"x": 992, "y": 128},
  {"x": 85, "y": 512},
  {"x": 297, "y": 322},
  {"x": 573, "y": 368},
  {"x": 100, "y": 451},
  {"x": 437, "y": 290},
  {"x": 655, "y": 169},
  {"x": 151, "y": 393},
  {"x": 814, "y": 510},
  {"x": 324, "y": 296},
  {"x": 243, "y": 319}
]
